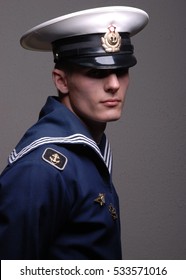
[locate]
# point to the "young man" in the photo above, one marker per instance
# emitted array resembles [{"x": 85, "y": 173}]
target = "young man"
[{"x": 57, "y": 199}]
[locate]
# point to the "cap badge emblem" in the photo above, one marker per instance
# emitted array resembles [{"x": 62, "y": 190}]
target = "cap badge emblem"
[
  {"x": 100, "y": 199},
  {"x": 111, "y": 42}
]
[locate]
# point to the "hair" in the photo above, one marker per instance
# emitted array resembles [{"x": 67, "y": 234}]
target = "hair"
[{"x": 67, "y": 67}]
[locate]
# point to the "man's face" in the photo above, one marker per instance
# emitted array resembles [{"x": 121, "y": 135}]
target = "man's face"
[{"x": 96, "y": 95}]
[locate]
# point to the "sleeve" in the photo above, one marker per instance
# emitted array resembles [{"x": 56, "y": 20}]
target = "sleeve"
[{"x": 32, "y": 202}]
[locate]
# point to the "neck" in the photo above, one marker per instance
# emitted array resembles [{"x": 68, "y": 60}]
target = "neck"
[{"x": 96, "y": 130}]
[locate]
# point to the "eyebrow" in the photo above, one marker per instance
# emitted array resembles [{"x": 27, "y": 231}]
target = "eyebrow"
[{"x": 101, "y": 73}]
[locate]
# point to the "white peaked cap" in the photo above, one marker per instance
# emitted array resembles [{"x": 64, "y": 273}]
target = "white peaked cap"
[{"x": 98, "y": 37}]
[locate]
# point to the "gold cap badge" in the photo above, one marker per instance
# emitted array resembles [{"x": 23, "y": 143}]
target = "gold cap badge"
[{"x": 111, "y": 42}]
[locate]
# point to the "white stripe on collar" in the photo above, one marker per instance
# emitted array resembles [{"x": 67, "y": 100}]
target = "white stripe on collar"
[
  {"x": 108, "y": 156},
  {"x": 72, "y": 139}
]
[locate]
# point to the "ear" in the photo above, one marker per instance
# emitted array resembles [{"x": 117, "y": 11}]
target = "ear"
[{"x": 60, "y": 80}]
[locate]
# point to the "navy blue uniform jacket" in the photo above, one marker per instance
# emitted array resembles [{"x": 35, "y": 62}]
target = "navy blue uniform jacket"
[{"x": 57, "y": 200}]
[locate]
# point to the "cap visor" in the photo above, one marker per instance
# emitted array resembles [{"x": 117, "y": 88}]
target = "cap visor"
[{"x": 105, "y": 62}]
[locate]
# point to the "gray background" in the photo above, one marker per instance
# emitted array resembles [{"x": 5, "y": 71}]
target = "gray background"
[{"x": 148, "y": 142}]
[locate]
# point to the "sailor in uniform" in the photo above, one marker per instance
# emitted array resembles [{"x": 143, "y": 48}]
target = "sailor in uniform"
[{"x": 57, "y": 198}]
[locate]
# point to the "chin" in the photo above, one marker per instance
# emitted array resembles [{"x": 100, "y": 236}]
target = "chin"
[
  {"x": 113, "y": 120},
  {"x": 108, "y": 117},
  {"x": 114, "y": 117}
]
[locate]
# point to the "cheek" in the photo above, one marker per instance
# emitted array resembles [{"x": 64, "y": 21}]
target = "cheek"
[
  {"x": 124, "y": 82},
  {"x": 80, "y": 96},
  {"x": 77, "y": 86},
  {"x": 82, "y": 90}
]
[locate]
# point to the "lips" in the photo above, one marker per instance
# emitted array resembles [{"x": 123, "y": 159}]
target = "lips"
[{"x": 111, "y": 102}]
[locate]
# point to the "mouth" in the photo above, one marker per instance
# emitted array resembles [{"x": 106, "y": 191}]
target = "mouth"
[{"x": 111, "y": 102}]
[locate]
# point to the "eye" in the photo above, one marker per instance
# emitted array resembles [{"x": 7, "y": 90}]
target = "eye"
[
  {"x": 97, "y": 73},
  {"x": 103, "y": 73},
  {"x": 121, "y": 72}
]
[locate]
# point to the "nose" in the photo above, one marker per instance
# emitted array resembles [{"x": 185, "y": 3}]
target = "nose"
[{"x": 111, "y": 83}]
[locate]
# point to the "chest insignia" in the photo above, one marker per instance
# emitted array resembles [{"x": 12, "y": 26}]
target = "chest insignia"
[
  {"x": 54, "y": 158},
  {"x": 100, "y": 199},
  {"x": 113, "y": 212}
]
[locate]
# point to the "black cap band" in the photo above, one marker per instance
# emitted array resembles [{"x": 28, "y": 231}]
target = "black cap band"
[{"x": 87, "y": 50}]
